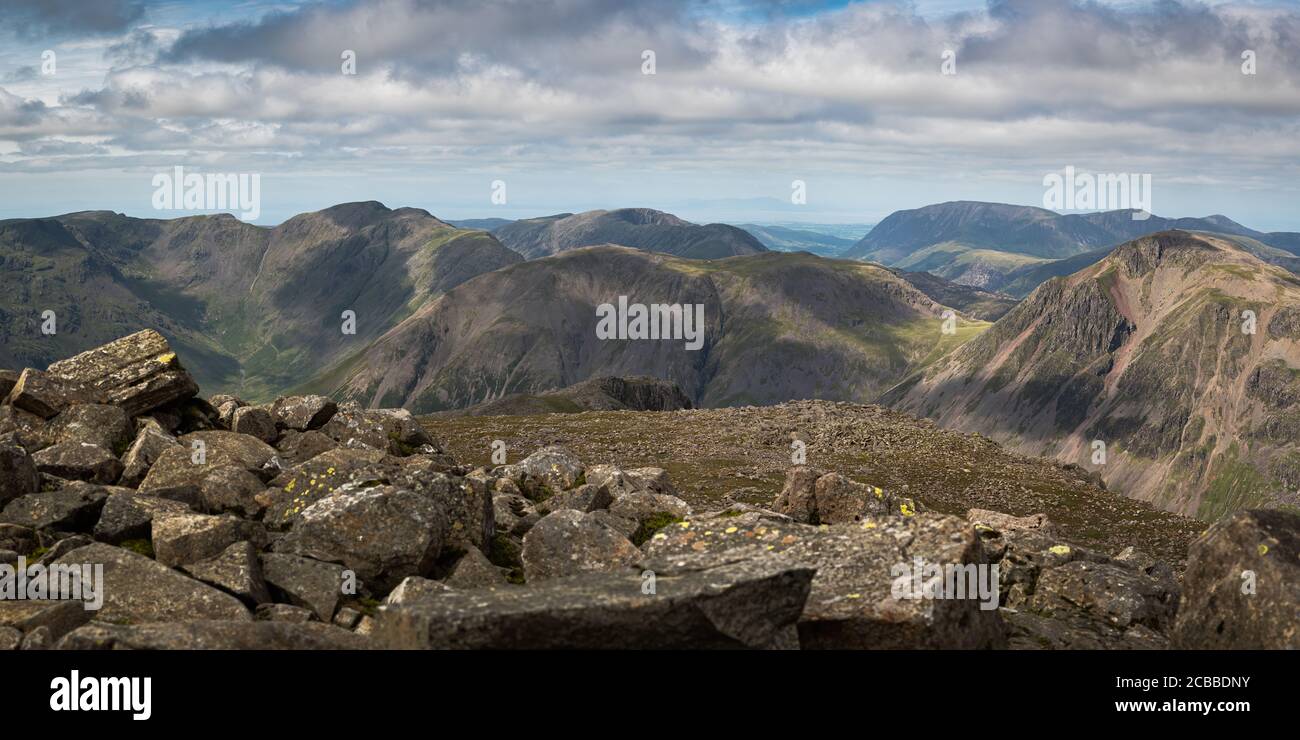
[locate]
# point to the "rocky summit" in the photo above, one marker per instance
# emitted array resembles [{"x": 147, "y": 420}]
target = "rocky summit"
[{"x": 303, "y": 523}]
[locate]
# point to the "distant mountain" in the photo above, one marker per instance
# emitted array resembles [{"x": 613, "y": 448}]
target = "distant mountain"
[
  {"x": 597, "y": 394},
  {"x": 777, "y": 326},
  {"x": 1147, "y": 352},
  {"x": 481, "y": 224},
  {"x": 992, "y": 245},
  {"x": 640, "y": 228},
  {"x": 254, "y": 309},
  {"x": 788, "y": 239},
  {"x": 976, "y": 303}
]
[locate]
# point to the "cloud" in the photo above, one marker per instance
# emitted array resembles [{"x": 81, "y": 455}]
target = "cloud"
[{"x": 38, "y": 19}]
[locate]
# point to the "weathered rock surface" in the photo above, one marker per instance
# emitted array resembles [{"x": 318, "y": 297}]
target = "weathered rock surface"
[
  {"x": 93, "y": 423},
  {"x": 302, "y": 413},
  {"x": 213, "y": 635},
  {"x": 236, "y": 570},
  {"x": 79, "y": 461},
  {"x": 178, "y": 473},
  {"x": 139, "y": 372},
  {"x": 18, "y": 474},
  {"x": 304, "y": 582},
  {"x": 74, "y": 508},
  {"x": 567, "y": 542}
]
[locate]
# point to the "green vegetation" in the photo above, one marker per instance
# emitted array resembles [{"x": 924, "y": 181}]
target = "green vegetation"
[{"x": 651, "y": 525}]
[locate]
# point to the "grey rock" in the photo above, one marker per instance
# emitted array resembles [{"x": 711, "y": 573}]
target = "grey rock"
[
  {"x": 473, "y": 570},
  {"x": 181, "y": 539},
  {"x": 18, "y": 474},
  {"x": 79, "y": 461},
  {"x": 150, "y": 442},
  {"x": 128, "y": 515},
  {"x": 91, "y": 423},
  {"x": 139, "y": 372},
  {"x": 213, "y": 635},
  {"x": 553, "y": 467},
  {"x": 414, "y": 588},
  {"x": 299, "y": 447},
  {"x": 58, "y": 617},
  {"x": 284, "y": 613},
  {"x": 176, "y": 474},
  {"x": 584, "y": 498},
  {"x": 74, "y": 508},
  {"x": 237, "y": 570},
  {"x": 566, "y": 542},
  {"x": 303, "y": 412},
  {"x": 304, "y": 582},
  {"x": 43, "y": 395}
]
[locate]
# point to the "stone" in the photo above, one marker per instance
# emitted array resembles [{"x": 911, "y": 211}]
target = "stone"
[
  {"x": 584, "y": 498},
  {"x": 1006, "y": 522},
  {"x": 8, "y": 378},
  {"x": 128, "y": 515},
  {"x": 231, "y": 489},
  {"x": 139, "y": 372},
  {"x": 24, "y": 429},
  {"x": 306, "y": 483},
  {"x": 1105, "y": 592},
  {"x": 751, "y": 603},
  {"x": 137, "y": 589},
  {"x": 466, "y": 502},
  {"x": 176, "y": 474},
  {"x": 566, "y": 542},
  {"x": 74, "y": 508},
  {"x": 298, "y": 447},
  {"x": 58, "y": 617},
  {"x": 473, "y": 570},
  {"x": 813, "y": 497},
  {"x": 1241, "y": 588},
  {"x": 79, "y": 461},
  {"x": 10, "y": 639},
  {"x": 383, "y": 533},
  {"x": 304, "y": 582},
  {"x": 181, "y": 539},
  {"x": 38, "y": 639},
  {"x": 254, "y": 421},
  {"x": 150, "y": 442},
  {"x": 284, "y": 613},
  {"x": 302, "y": 413},
  {"x": 554, "y": 468},
  {"x": 18, "y": 474},
  {"x": 414, "y": 588},
  {"x": 213, "y": 635},
  {"x": 854, "y": 603},
  {"x": 93, "y": 423},
  {"x": 393, "y": 431},
  {"x": 347, "y": 618},
  {"x": 641, "y": 506},
  {"x": 237, "y": 570},
  {"x": 45, "y": 396}
]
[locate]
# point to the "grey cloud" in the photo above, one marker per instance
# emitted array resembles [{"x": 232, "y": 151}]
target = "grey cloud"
[{"x": 31, "y": 19}]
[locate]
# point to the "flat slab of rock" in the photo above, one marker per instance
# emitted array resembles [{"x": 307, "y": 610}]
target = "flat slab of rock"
[
  {"x": 59, "y": 617},
  {"x": 138, "y": 372},
  {"x": 303, "y": 412},
  {"x": 213, "y": 635},
  {"x": 236, "y": 570},
  {"x": 176, "y": 474},
  {"x": 180, "y": 539},
  {"x": 1241, "y": 589},
  {"x": 79, "y": 461},
  {"x": 74, "y": 508},
  {"x": 854, "y": 604},
  {"x": 747, "y": 604},
  {"x": 137, "y": 590},
  {"x": 304, "y": 582},
  {"x": 566, "y": 542},
  {"x": 44, "y": 395}
]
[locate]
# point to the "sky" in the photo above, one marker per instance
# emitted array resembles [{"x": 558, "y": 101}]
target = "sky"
[{"x": 547, "y": 104}]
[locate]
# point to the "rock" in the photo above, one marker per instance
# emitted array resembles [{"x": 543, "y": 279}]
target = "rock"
[
  {"x": 136, "y": 590},
  {"x": 1108, "y": 593},
  {"x": 138, "y": 372},
  {"x": 642, "y": 506},
  {"x": 213, "y": 635},
  {"x": 128, "y": 515},
  {"x": 309, "y": 482},
  {"x": 414, "y": 589},
  {"x": 19, "y": 539},
  {"x": 23, "y": 428},
  {"x": 466, "y": 502},
  {"x": 812, "y": 497},
  {"x": 254, "y": 421},
  {"x": 236, "y": 570},
  {"x": 221, "y": 399},
  {"x": 390, "y": 430},
  {"x": 44, "y": 395},
  {"x": 1241, "y": 589},
  {"x": 1074, "y": 631},
  {"x": 10, "y": 639},
  {"x": 8, "y": 378},
  {"x": 74, "y": 508},
  {"x": 629, "y": 528},
  {"x": 176, "y": 474},
  {"x": 93, "y": 423},
  {"x": 747, "y": 604},
  {"x": 18, "y": 474},
  {"x": 508, "y": 509},
  {"x": 653, "y": 480},
  {"x": 383, "y": 534},
  {"x": 226, "y": 412},
  {"x": 58, "y": 617},
  {"x": 181, "y": 539},
  {"x": 584, "y": 498},
  {"x": 284, "y": 613},
  {"x": 347, "y": 618},
  {"x": 150, "y": 443},
  {"x": 302, "y": 413},
  {"x": 567, "y": 542},
  {"x": 473, "y": 570},
  {"x": 858, "y": 599},
  {"x": 1026, "y": 554},
  {"x": 62, "y": 547},
  {"x": 1006, "y": 522},
  {"x": 621, "y": 482},
  {"x": 38, "y": 639},
  {"x": 553, "y": 467},
  {"x": 79, "y": 461},
  {"x": 304, "y": 582},
  {"x": 231, "y": 489},
  {"x": 298, "y": 447}
]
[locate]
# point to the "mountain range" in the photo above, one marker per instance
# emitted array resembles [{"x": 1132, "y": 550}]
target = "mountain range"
[{"x": 641, "y": 228}]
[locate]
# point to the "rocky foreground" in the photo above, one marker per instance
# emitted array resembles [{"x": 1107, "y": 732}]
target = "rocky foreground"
[{"x": 304, "y": 524}]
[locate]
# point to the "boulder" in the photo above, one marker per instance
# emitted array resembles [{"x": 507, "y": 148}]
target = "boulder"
[
  {"x": 584, "y": 498},
  {"x": 43, "y": 395},
  {"x": 128, "y": 515},
  {"x": 180, "y": 539},
  {"x": 139, "y": 372},
  {"x": 73, "y": 508},
  {"x": 304, "y": 582},
  {"x": 302, "y": 413},
  {"x": 414, "y": 588},
  {"x": 283, "y": 613},
  {"x": 813, "y": 497},
  {"x": 861, "y": 596},
  {"x": 23, "y": 428},
  {"x": 306, "y": 483},
  {"x": 383, "y": 534},
  {"x": 18, "y": 474},
  {"x": 298, "y": 447},
  {"x": 566, "y": 542},
  {"x": 254, "y": 421},
  {"x": 1116, "y": 596},
  {"x": 236, "y": 570},
  {"x": 176, "y": 474},
  {"x": 150, "y": 442},
  {"x": 59, "y": 617},
  {"x": 213, "y": 635},
  {"x": 390, "y": 430},
  {"x": 750, "y": 603},
  {"x": 137, "y": 589},
  {"x": 473, "y": 570},
  {"x": 231, "y": 489},
  {"x": 79, "y": 461},
  {"x": 1006, "y": 522},
  {"x": 1241, "y": 589},
  {"x": 93, "y": 423},
  {"x": 554, "y": 468}
]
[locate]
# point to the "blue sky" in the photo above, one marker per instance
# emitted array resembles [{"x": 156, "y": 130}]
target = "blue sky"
[{"x": 748, "y": 96}]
